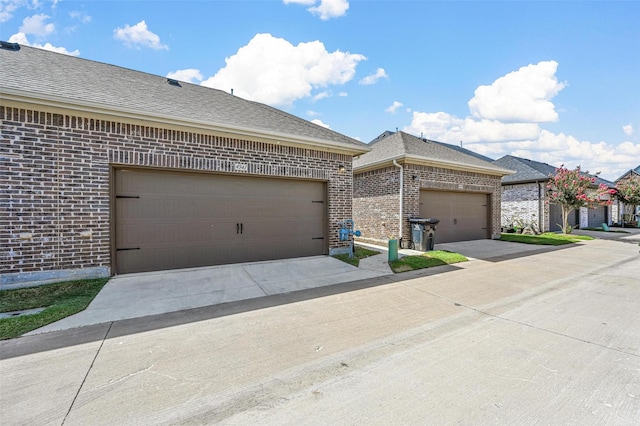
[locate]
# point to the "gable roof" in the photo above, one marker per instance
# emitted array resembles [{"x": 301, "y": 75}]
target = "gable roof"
[
  {"x": 533, "y": 171},
  {"x": 466, "y": 151},
  {"x": 55, "y": 80},
  {"x": 631, "y": 173},
  {"x": 401, "y": 146},
  {"x": 525, "y": 170}
]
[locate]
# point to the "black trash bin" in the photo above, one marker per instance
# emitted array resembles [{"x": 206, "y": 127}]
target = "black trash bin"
[{"x": 423, "y": 233}]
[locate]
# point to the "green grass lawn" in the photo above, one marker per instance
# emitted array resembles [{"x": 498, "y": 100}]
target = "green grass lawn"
[
  {"x": 60, "y": 301},
  {"x": 548, "y": 238},
  {"x": 358, "y": 253},
  {"x": 426, "y": 260}
]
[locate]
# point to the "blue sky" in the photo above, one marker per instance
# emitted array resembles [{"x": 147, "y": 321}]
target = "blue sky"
[{"x": 557, "y": 82}]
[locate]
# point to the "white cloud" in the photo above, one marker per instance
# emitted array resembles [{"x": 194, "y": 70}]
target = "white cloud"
[
  {"x": 190, "y": 75},
  {"x": 343, "y": 94},
  {"x": 312, "y": 113},
  {"x": 393, "y": 107},
  {"x": 445, "y": 127},
  {"x": 21, "y": 38},
  {"x": 302, "y": 2},
  {"x": 35, "y": 25},
  {"x": 321, "y": 95},
  {"x": 273, "y": 71},
  {"x": 505, "y": 119},
  {"x": 373, "y": 78},
  {"x": 628, "y": 129},
  {"x": 326, "y": 9},
  {"x": 82, "y": 17},
  {"x": 7, "y": 7},
  {"x": 320, "y": 123},
  {"x": 520, "y": 96},
  {"x": 330, "y": 9},
  {"x": 138, "y": 36}
]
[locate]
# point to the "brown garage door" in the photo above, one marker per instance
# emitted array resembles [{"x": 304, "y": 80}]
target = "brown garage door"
[
  {"x": 463, "y": 215},
  {"x": 167, "y": 220}
]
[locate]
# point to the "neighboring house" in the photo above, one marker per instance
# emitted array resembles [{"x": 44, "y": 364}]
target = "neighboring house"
[
  {"x": 619, "y": 209},
  {"x": 107, "y": 171},
  {"x": 405, "y": 177},
  {"x": 525, "y": 198}
]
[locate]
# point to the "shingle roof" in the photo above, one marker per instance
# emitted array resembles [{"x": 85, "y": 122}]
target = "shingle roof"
[
  {"x": 466, "y": 151},
  {"x": 40, "y": 74},
  {"x": 403, "y": 146},
  {"x": 629, "y": 173},
  {"x": 531, "y": 171},
  {"x": 525, "y": 170}
]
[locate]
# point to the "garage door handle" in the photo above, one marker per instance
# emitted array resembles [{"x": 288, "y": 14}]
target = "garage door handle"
[{"x": 241, "y": 227}]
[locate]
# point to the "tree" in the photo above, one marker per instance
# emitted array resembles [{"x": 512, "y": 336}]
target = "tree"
[
  {"x": 628, "y": 191},
  {"x": 572, "y": 189}
]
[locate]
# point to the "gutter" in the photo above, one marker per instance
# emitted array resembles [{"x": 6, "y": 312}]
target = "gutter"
[{"x": 395, "y": 163}]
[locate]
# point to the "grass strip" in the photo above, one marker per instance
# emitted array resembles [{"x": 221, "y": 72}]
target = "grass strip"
[
  {"x": 548, "y": 238},
  {"x": 61, "y": 300},
  {"x": 426, "y": 260},
  {"x": 358, "y": 253}
]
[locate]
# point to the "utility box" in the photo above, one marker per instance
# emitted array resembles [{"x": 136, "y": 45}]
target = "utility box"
[{"x": 423, "y": 233}]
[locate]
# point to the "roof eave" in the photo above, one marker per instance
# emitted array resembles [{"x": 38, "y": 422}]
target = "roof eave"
[
  {"x": 387, "y": 162},
  {"x": 520, "y": 182},
  {"x": 423, "y": 161},
  {"x": 627, "y": 175},
  {"x": 50, "y": 101}
]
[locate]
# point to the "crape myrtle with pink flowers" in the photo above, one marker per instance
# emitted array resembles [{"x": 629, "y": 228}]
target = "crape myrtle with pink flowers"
[
  {"x": 628, "y": 192},
  {"x": 573, "y": 189}
]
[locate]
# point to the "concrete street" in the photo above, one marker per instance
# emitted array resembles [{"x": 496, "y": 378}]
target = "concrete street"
[{"x": 545, "y": 336}]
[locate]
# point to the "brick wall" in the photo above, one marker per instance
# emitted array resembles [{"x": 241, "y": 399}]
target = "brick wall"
[
  {"x": 376, "y": 192},
  {"x": 376, "y": 204},
  {"x": 525, "y": 202},
  {"x": 55, "y": 182}
]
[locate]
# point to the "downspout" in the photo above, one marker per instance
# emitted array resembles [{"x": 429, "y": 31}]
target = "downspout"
[
  {"x": 395, "y": 163},
  {"x": 541, "y": 219}
]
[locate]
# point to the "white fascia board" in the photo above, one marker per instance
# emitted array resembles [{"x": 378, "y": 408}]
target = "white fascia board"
[
  {"x": 387, "y": 162},
  {"x": 492, "y": 170},
  {"x": 238, "y": 131},
  {"x": 422, "y": 161}
]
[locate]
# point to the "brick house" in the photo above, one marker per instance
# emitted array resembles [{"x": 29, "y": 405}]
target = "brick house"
[
  {"x": 618, "y": 208},
  {"x": 525, "y": 197},
  {"x": 404, "y": 177},
  {"x": 106, "y": 170}
]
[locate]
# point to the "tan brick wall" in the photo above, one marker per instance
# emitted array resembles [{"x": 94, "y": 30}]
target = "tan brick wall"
[
  {"x": 376, "y": 207},
  {"x": 376, "y": 204},
  {"x": 55, "y": 180}
]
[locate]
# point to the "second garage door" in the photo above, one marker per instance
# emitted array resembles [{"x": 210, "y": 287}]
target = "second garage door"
[
  {"x": 463, "y": 216},
  {"x": 167, "y": 220}
]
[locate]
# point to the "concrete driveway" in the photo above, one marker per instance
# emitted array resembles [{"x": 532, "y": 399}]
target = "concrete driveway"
[
  {"x": 147, "y": 294},
  {"x": 545, "y": 338}
]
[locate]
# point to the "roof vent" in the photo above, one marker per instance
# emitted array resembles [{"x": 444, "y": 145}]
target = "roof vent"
[
  {"x": 9, "y": 46},
  {"x": 173, "y": 82}
]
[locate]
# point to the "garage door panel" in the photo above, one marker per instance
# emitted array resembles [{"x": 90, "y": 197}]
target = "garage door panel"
[
  {"x": 463, "y": 216},
  {"x": 168, "y": 220}
]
